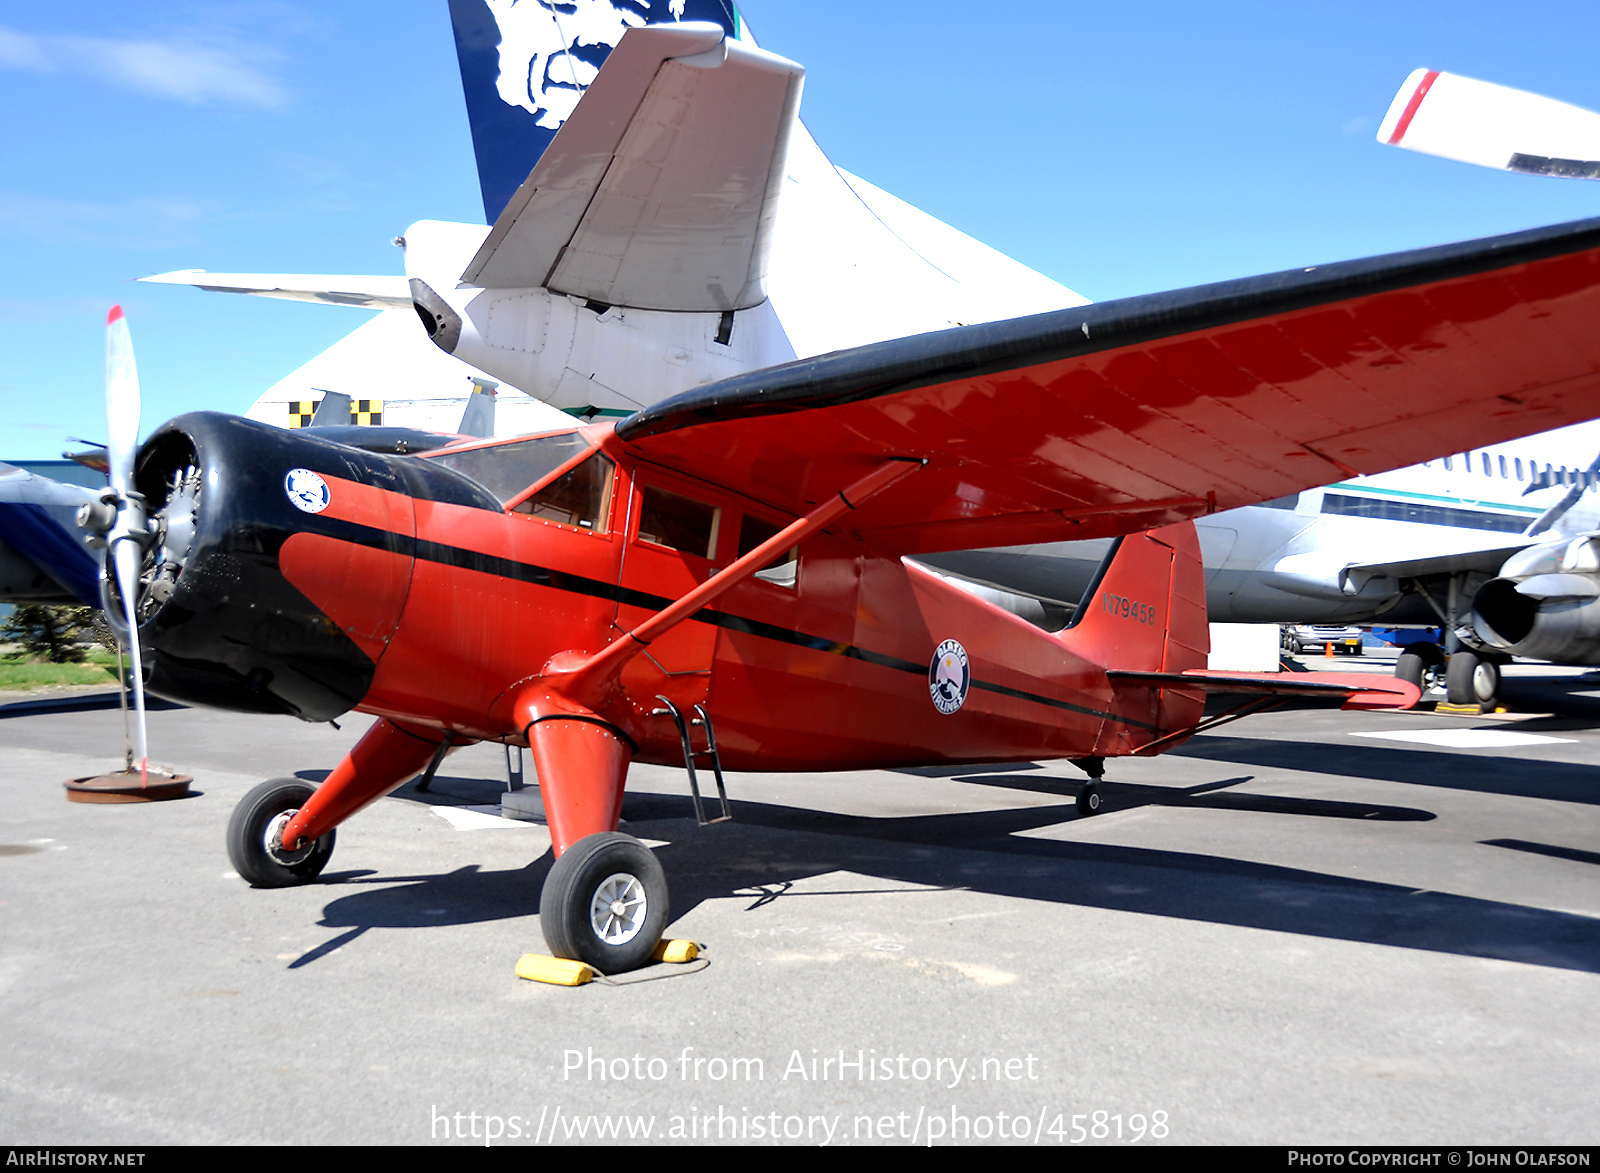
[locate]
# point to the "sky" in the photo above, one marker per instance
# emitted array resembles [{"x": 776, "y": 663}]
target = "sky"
[{"x": 1120, "y": 149}]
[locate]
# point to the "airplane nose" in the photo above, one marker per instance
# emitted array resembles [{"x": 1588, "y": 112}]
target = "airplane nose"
[{"x": 252, "y": 539}]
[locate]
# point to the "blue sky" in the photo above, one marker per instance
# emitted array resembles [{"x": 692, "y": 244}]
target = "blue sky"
[{"x": 1120, "y": 149}]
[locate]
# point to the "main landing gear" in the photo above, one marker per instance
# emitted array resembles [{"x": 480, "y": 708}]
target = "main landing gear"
[
  {"x": 255, "y": 837},
  {"x": 1469, "y": 677},
  {"x": 1472, "y": 678},
  {"x": 605, "y": 902}
]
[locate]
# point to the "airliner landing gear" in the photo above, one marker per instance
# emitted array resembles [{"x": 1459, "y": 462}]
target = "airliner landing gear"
[
  {"x": 1422, "y": 664},
  {"x": 1472, "y": 678}
]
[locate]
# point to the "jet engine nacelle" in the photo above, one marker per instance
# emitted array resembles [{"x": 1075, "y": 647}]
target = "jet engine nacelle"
[
  {"x": 242, "y": 512},
  {"x": 1545, "y": 617}
]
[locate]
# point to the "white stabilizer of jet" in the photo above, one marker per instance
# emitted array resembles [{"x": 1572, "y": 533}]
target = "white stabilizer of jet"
[
  {"x": 1492, "y": 125},
  {"x": 362, "y": 292},
  {"x": 659, "y": 192}
]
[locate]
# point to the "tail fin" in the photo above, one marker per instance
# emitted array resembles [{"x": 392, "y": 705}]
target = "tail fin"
[
  {"x": 1145, "y": 610},
  {"x": 525, "y": 63}
]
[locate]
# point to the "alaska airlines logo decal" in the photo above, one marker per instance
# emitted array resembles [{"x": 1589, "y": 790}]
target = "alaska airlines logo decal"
[
  {"x": 306, "y": 491},
  {"x": 948, "y": 677},
  {"x": 1127, "y": 608},
  {"x": 550, "y": 50}
]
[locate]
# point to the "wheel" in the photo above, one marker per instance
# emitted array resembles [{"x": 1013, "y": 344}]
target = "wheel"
[
  {"x": 1089, "y": 800},
  {"x": 1472, "y": 679},
  {"x": 1420, "y": 664},
  {"x": 255, "y": 837},
  {"x": 605, "y": 903}
]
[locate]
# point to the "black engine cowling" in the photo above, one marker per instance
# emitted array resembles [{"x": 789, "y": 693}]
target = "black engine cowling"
[{"x": 220, "y": 623}]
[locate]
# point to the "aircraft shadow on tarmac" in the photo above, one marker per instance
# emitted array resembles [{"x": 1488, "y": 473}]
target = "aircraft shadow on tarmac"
[
  {"x": 1421, "y": 766},
  {"x": 769, "y": 848}
]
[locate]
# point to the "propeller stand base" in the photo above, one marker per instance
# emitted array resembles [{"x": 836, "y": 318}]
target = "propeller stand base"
[{"x": 125, "y": 787}]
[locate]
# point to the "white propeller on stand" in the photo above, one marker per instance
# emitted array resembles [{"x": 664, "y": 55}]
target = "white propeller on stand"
[
  {"x": 129, "y": 531},
  {"x": 120, "y": 521}
]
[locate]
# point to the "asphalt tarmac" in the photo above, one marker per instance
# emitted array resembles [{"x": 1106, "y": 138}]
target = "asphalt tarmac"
[{"x": 1309, "y": 927}]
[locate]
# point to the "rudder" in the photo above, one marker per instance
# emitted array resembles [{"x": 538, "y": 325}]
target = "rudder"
[{"x": 1145, "y": 610}]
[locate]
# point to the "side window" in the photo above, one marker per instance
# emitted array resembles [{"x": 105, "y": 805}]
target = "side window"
[
  {"x": 581, "y": 497},
  {"x": 678, "y": 522},
  {"x": 782, "y": 570}
]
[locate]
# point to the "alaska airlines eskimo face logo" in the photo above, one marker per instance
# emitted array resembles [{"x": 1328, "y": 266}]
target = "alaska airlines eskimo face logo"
[
  {"x": 948, "y": 677},
  {"x": 541, "y": 69},
  {"x": 306, "y": 491}
]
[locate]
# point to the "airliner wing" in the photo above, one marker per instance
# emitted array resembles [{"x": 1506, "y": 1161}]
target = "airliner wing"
[
  {"x": 660, "y": 190},
  {"x": 364, "y": 292},
  {"x": 1489, "y": 561},
  {"x": 42, "y": 554},
  {"x": 1110, "y": 418}
]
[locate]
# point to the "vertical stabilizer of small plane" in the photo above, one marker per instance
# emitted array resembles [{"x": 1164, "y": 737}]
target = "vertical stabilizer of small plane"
[
  {"x": 478, "y": 418},
  {"x": 525, "y": 63},
  {"x": 1146, "y": 609},
  {"x": 332, "y": 412}
]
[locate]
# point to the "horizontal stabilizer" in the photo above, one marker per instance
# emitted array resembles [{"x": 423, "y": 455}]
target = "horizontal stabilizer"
[
  {"x": 363, "y": 292},
  {"x": 1493, "y": 126},
  {"x": 1359, "y": 690},
  {"x": 660, "y": 190}
]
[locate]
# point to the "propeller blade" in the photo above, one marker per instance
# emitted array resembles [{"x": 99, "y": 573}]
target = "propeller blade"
[
  {"x": 122, "y": 401},
  {"x": 124, "y": 546},
  {"x": 1492, "y": 125},
  {"x": 126, "y": 557}
]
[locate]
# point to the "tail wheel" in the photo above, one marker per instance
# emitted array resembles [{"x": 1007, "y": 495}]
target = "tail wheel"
[
  {"x": 605, "y": 903},
  {"x": 255, "y": 837}
]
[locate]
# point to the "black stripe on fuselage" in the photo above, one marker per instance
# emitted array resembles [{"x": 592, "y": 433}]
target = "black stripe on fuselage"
[{"x": 508, "y": 568}]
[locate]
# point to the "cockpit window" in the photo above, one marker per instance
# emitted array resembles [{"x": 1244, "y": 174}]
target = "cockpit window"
[
  {"x": 507, "y": 470},
  {"x": 581, "y": 496}
]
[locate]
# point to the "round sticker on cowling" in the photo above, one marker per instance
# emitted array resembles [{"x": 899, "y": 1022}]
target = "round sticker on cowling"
[
  {"x": 948, "y": 677},
  {"x": 306, "y": 491}
]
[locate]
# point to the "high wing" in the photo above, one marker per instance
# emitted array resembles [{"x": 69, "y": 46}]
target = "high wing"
[
  {"x": 363, "y": 292},
  {"x": 1110, "y": 418},
  {"x": 660, "y": 190}
]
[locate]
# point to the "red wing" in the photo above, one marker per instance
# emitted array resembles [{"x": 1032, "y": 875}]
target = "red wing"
[{"x": 1111, "y": 418}]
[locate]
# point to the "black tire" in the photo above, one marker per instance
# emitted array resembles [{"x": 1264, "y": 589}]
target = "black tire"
[
  {"x": 265, "y": 864},
  {"x": 578, "y": 920},
  {"x": 1410, "y": 666},
  {"x": 1472, "y": 679},
  {"x": 1089, "y": 801}
]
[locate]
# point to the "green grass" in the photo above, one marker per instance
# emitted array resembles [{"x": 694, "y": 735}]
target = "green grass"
[{"x": 21, "y": 674}]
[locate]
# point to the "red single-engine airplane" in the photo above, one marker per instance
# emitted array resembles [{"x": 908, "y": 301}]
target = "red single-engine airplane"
[{"x": 743, "y": 548}]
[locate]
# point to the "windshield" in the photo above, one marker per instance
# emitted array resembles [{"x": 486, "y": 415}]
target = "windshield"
[{"x": 507, "y": 470}]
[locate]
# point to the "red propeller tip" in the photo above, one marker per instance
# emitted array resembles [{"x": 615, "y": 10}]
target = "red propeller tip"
[{"x": 116, "y": 312}]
